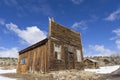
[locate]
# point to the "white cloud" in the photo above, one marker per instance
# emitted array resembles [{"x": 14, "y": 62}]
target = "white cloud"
[
  {"x": 30, "y": 35},
  {"x": 117, "y": 31},
  {"x": 77, "y": 1},
  {"x": 113, "y": 38},
  {"x": 100, "y": 50},
  {"x": 117, "y": 37},
  {"x": 114, "y": 16},
  {"x": 2, "y": 48},
  {"x": 118, "y": 43},
  {"x": 80, "y": 25},
  {"x": 2, "y": 22},
  {"x": 4, "y": 52}
]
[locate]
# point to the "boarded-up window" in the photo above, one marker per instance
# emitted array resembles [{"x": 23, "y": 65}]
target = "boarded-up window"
[
  {"x": 23, "y": 61},
  {"x": 70, "y": 49},
  {"x": 57, "y": 49},
  {"x": 78, "y": 55}
]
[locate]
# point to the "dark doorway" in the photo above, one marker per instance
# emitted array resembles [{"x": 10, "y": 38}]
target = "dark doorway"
[
  {"x": 66, "y": 57},
  {"x": 69, "y": 59}
]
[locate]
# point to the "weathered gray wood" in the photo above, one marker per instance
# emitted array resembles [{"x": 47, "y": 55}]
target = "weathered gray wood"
[{"x": 41, "y": 56}]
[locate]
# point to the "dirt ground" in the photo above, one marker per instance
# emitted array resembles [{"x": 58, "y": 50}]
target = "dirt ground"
[
  {"x": 26, "y": 76},
  {"x": 57, "y": 75}
]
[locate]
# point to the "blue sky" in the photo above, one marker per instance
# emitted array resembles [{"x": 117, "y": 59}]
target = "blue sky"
[{"x": 25, "y": 22}]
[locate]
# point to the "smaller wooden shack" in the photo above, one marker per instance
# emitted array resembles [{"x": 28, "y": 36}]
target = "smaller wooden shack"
[{"x": 91, "y": 63}]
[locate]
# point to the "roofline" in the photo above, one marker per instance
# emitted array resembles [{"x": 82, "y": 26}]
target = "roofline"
[
  {"x": 46, "y": 39},
  {"x": 34, "y": 45},
  {"x": 95, "y": 61},
  {"x": 67, "y": 28}
]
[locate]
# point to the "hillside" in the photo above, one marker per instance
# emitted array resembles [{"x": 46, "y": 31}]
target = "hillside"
[
  {"x": 106, "y": 60},
  {"x": 7, "y": 62}
]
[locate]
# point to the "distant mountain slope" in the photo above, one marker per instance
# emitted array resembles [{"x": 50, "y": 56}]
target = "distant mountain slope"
[
  {"x": 106, "y": 61},
  {"x": 7, "y": 61}
]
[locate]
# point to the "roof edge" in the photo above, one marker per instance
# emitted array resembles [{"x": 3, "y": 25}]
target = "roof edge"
[{"x": 34, "y": 45}]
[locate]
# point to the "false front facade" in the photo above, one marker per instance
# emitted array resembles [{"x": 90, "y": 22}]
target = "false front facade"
[{"x": 61, "y": 50}]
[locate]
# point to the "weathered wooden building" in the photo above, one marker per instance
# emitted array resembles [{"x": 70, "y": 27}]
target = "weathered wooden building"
[
  {"x": 61, "y": 50},
  {"x": 91, "y": 63}
]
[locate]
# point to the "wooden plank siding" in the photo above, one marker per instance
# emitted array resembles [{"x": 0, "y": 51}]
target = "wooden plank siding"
[
  {"x": 61, "y": 64},
  {"x": 41, "y": 57},
  {"x": 65, "y": 35},
  {"x": 65, "y": 38},
  {"x": 35, "y": 60}
]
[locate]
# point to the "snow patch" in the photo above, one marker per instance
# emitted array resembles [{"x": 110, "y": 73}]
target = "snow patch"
[
  {"x": 7, "y": 71},
  {"x": 104, "y": 70},
  {"x": 5, "y": 78}
]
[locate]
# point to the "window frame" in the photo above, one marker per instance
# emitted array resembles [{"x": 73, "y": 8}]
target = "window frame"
[
  {"x": 79, "y": 57},
  {"x": 57, "y": 51},
  {"x": 23, "y": 60},
  {"x": 71, "y": 55}
]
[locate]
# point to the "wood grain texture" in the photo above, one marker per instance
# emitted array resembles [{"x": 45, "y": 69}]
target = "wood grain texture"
[{"x": 41, "y": 56}]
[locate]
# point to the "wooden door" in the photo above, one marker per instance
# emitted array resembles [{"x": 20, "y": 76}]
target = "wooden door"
[
  {"x": 69, "y": 59},
  {"x": 66, "y": 58}
]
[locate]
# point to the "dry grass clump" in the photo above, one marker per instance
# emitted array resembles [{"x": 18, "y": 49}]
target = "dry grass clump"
[
  {"x": 73, "y": 75},
  {"x": 8, "y": 67},
  {"x": 57, "y": 75}
]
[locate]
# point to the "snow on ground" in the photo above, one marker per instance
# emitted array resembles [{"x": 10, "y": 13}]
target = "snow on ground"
[
  {"x": 104, "y": 70},
  {"x": 7, "y": 71},
  {"x": 5, "y": 78}
]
